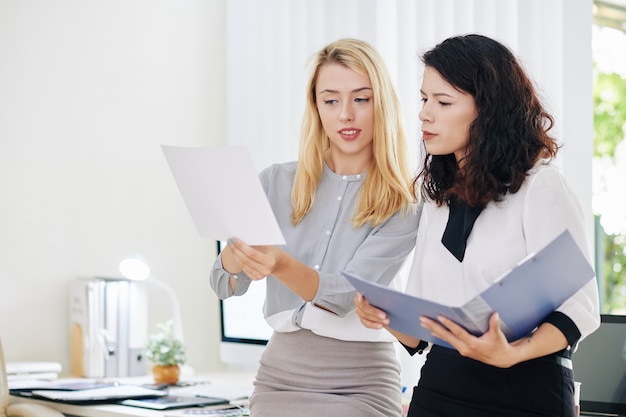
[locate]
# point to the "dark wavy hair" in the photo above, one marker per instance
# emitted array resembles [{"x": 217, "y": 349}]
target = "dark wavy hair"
[{"x": 509, "y": 135}]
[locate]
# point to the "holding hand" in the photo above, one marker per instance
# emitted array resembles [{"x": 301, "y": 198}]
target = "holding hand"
[
  {"x": 491, "y": 348},
  {"x": 375, "y": 318},
  {"x": 256, "y": 261},
  {"x": 370, "y": 316},
  {"x": 260, "y": 261}
]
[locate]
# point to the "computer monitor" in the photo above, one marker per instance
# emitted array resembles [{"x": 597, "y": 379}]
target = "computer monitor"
[
  {"x": 244, "y": 331},
  {"x": 600, "y": 367}
]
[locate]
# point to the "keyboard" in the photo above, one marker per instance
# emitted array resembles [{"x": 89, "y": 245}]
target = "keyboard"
[{"x": 222, "y": 390}]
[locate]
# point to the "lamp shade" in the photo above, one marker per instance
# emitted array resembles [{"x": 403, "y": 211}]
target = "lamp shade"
[{"x": 134, "y": 270}]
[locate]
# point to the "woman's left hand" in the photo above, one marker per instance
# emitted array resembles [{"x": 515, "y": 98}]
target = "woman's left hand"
[{"x": 491, "y": 348}]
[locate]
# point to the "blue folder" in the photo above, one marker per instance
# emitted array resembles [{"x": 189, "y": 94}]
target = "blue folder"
[{"x": 523, "y": 297}]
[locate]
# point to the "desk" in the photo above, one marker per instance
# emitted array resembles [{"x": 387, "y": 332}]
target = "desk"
[{"x": 235, "y": 378}]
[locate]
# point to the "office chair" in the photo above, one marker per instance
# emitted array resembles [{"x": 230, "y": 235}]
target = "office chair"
[{"x": 19, "y": 409}]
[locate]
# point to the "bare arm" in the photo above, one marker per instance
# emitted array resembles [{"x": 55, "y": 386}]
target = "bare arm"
[{"x": 492, "y": 347}]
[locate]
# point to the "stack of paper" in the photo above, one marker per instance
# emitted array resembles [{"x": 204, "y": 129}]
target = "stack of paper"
[{"x": 32, "y": 370}]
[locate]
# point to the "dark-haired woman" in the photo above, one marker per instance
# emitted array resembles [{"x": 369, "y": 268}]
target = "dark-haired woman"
[{"x": 492, "y": 197}]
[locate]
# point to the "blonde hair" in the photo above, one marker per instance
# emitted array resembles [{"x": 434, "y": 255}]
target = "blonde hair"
[{"x": 388, "y": 184}]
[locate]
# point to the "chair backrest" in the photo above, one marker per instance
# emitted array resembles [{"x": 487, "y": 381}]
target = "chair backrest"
[
  {"x": 20, "y": 409},
  {"x": 4, "y": 385}
]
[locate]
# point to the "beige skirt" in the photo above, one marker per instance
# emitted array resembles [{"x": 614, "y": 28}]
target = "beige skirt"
[{"x": 306, "y": 375}]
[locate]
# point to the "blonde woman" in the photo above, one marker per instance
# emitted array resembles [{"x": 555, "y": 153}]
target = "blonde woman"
[{"x": 346, "y": 204}]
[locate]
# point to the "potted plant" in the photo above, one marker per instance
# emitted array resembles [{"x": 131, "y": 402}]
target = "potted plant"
[{"x": 167, "y": 353}]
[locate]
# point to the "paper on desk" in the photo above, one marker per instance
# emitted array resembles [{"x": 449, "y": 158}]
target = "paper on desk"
[
  {"x": 110, "y": 393},
  {"x": 223, "y": 193},
  {"x": 523, "y": 297},
  {"x": 64, "y": 384}
]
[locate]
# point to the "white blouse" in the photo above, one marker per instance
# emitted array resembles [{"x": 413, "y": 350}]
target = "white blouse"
[{"x": 504, "y": 233}]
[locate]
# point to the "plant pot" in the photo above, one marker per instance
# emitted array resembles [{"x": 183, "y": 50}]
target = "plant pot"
[{"x": 166, "y": 374}]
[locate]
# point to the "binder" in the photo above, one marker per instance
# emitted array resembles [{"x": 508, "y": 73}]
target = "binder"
[{"x": 108, "y": 327}]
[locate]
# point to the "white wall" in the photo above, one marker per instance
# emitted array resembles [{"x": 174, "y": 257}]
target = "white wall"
[{"x": 88, "y": 91}]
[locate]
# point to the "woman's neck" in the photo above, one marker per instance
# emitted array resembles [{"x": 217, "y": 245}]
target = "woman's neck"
[{"x": 347, "y": 166}]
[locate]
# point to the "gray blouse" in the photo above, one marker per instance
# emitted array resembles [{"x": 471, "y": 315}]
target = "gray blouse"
[{"x": 326, "y": 241}]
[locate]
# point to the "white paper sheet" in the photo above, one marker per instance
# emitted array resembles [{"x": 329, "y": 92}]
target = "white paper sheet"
[{"x": 223, "y": 194}]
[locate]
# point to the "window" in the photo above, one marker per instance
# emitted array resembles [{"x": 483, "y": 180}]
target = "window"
[{"x": 609, "y": 160}]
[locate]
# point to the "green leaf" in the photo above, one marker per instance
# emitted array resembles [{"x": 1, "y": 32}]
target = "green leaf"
[{"x": 163, "y": 348}]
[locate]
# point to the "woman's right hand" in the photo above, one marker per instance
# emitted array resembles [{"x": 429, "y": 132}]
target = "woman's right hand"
[
  {"x": 375, "y": 318},
  {"x": 256, "y": 261},
  {"x": 370, "y": 316}
]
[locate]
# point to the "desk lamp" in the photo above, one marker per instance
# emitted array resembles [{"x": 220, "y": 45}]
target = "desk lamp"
[{"x": 137, "y": 270}]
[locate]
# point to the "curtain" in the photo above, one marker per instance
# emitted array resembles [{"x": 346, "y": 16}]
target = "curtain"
[{"x": 270, "y": 42}]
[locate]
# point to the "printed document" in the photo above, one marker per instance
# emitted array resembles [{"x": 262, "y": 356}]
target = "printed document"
[
  {"x": 523, "y": 297},
  {"x": 223, "y": 194}
]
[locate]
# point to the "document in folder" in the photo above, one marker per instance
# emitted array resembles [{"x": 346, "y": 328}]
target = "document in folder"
[
  {"x": 523, "y": 297},
  {"x": 106, "y": 394},
  {"x": 223, "y": 193}
]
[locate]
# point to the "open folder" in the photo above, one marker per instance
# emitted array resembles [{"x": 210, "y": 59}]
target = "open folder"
[
  {"x": 523, "y": 297},
  {"x": 101, "y": 393}
]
